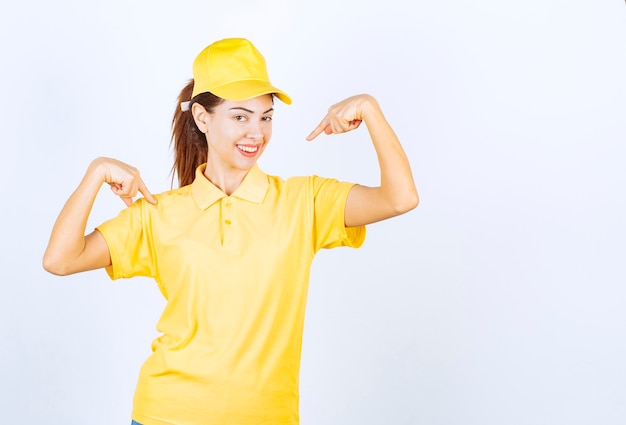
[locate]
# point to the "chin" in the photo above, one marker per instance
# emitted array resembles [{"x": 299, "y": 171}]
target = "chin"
[{"x": 245, "y": 165}]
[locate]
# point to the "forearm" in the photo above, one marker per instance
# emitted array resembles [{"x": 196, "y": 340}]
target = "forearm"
[{"x": 397, "y": 186}]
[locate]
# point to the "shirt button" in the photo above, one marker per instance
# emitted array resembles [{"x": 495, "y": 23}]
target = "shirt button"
[
  {"x": 228, "y": 204},
  {"x": 227, "y": 221}
]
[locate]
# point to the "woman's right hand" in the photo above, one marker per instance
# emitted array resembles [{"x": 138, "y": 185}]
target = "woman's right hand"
[{"x": 124, "y": 179}]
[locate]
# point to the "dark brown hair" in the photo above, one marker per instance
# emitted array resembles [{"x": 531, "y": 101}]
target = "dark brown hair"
[{"x": 188, "y": 142}]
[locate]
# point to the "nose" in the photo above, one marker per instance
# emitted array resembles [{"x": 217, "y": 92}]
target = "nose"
[
  {"x": 255, "y": 136},
  {"x": 255, "y": 131}
]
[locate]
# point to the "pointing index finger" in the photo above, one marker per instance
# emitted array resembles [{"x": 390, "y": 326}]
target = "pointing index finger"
[
  {"x": 318, "y": 130},
  {"x": 146, "y": 193}
]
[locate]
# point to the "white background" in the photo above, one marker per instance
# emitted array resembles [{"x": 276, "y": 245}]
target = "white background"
[{"x": 500, "y": 300}]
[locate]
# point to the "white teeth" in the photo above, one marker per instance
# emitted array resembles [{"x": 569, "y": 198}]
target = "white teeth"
[{"x": 248, "y": 149}]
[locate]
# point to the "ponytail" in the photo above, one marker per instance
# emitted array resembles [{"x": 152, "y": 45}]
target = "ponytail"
[{"x": 188, "y": 142}]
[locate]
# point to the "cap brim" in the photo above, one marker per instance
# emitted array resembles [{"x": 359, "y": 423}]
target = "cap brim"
[{"x": 247, "y": 89}]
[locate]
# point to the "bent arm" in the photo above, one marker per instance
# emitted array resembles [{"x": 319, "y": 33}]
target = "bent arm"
[
  {"x": 397, "y": 193},
  {"x": 69, "y": 250}
]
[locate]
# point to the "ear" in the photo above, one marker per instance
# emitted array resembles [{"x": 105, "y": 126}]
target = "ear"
[{"x": 200, "y": 116}]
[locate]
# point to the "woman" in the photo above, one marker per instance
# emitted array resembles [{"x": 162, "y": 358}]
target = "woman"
[{"x": 231, "y": 248}]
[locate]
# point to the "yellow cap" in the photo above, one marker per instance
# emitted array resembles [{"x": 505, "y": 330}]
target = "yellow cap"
[{"x": 233, "y": 69}]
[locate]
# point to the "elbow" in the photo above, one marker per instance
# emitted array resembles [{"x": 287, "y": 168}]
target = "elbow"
[
  {"x": 407, "y": 202},
  {"x": 53, "y": 266},
  {"x": 413, "y": 201}
]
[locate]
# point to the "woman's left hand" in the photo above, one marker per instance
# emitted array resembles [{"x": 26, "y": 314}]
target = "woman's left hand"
[{"x": 344, "y": 116}]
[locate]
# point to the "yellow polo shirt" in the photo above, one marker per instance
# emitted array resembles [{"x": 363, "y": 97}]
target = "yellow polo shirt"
[{"x": 234, "y": 271}]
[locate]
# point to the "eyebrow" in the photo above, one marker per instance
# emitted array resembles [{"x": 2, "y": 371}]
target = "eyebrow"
[{"x": 249, "y": 110}]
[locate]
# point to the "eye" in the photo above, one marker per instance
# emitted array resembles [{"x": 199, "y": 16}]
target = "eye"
[
  {"x": 240, "y": 118},
  {"x": 267, "y": 118}
]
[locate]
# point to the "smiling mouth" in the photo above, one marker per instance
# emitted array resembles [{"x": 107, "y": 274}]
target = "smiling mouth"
[{"x": 248, "y": 149}]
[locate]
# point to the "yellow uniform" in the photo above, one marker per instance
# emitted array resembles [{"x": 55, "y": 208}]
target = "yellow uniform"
[{"x": 234, "y": 271}]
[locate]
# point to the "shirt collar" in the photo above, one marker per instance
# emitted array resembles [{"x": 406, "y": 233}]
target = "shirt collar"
[{"x": 253, "y": 188}]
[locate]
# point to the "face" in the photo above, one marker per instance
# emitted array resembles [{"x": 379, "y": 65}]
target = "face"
[{"x": 237, "y": 132}]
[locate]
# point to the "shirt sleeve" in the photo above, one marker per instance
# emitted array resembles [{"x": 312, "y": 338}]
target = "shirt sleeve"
[
  {"x": 329, "y": 226},
  {"x": 129, "y": 241}
]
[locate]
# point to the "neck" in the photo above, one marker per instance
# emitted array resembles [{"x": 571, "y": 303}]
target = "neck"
[{"x": 228, "y": 180}]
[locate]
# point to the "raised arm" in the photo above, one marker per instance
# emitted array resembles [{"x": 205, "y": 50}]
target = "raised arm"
[
  {"x": 69, "y": 250},
  {"x": 397, "y": 193}
]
